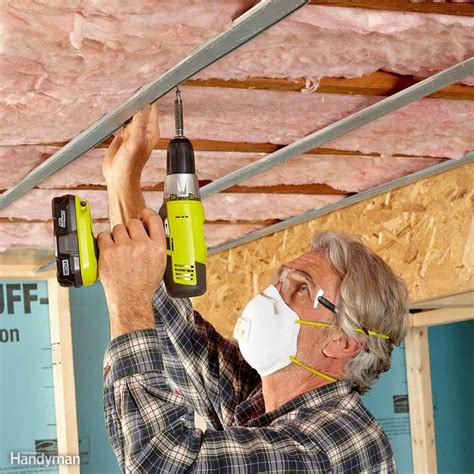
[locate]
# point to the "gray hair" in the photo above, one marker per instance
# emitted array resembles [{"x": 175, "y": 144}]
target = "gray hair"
[{"x": 370, "y": 296}]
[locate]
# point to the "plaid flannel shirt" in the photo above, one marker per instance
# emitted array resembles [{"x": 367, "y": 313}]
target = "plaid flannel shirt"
[{"x": 154, "y": 380}]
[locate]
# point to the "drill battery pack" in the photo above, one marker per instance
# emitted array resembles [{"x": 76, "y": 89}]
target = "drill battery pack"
[{"x": 75, "y": 246}]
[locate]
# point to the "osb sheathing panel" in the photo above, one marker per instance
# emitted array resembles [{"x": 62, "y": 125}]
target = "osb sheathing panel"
[{"x": 424, "y": 231}]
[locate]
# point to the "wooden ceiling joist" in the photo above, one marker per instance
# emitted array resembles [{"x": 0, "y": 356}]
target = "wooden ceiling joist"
[
  {"x": 379, "y": 83},
  {"x": 445, "y": 8},
  {"x": 313, "y": 188},
  {"x": 289, "y": 189},
  {"x": 244, "y": 147}
]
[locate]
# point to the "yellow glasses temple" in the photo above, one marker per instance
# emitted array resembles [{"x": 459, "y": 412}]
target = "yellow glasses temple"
[
  {"x": 327, "y": 325},
  {"x": 315, "y": 323}
]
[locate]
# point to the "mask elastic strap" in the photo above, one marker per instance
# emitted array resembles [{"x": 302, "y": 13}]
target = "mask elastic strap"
[
  {"x": 332, "y": 326},
  {"x": 316, "y": 323},
  {"x": 313, "y": 371}
]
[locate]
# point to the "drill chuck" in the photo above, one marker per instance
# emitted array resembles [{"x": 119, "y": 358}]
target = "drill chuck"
[{"x": 180, "y": 156}]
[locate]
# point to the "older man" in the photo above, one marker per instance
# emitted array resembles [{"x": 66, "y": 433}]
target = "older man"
[{"x": 286, "y": 397}]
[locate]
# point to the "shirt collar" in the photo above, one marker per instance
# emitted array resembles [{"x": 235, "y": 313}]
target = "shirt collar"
[{"x": 251, "y": 412}]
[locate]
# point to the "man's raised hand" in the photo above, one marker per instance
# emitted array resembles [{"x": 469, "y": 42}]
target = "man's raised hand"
[{"x": 131, "y": 148}]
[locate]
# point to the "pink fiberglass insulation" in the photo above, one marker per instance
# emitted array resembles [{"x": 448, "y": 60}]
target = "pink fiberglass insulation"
[
  {"x": 319, "y": 41},
  {"x": 100, "y": 48},
  {"x": 64, "y": 64},
  {"x": 213, "y": 113},
  {"x": 17, "y": 161},
  {"x": 39, "y": 235},
  {"x": 74, "y": 61},
  {"x": 342, "y": 172},
  {"x": 230, "y": 207},
  {"x": 219, "y": 233},
  {"x": 432, "y": 127}
]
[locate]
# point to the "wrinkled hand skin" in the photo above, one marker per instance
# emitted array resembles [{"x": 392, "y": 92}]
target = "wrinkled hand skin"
[
  {"x": 131, "y": 147},
  {"x": 132, "y": 263},
  {"x": 123, "y": 165}
]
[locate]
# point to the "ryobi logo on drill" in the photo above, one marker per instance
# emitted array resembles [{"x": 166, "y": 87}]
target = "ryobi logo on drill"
[
  {"x": 62, "y": 219},
  {"x": 65, "y": 265}
]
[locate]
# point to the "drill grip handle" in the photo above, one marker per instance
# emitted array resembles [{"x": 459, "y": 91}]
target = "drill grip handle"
[{"x": 185, "y": 274}]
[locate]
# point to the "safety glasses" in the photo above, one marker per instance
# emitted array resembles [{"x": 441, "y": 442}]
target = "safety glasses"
[{"x": 298, "y": 289}]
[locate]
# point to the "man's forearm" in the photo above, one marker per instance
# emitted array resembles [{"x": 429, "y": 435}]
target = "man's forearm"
[{"x": 126, "y": 201}]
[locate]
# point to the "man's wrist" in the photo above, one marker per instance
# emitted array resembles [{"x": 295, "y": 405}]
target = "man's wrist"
[
  {"x": 126, "y": 319},
  {"x": 120, "y": 328},
  {"x": 118, "y": 185},
  {"x": 126, "y": 200},
  {"x": 126, "y": 191}
]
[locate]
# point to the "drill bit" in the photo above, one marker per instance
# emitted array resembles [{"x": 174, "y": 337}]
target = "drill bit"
[{"x": 178, "y": 114}]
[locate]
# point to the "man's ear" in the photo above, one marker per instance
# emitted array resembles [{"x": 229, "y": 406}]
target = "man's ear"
[{"x": 341, "y": 347}]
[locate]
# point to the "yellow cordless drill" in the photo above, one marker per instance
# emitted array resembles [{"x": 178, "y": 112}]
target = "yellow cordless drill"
[{"x": 183, "y": 217}]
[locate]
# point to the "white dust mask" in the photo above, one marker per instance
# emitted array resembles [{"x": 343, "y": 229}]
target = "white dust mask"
[
  {"x": 268, "y": 329},
  {"x": 267, "y": 332}
]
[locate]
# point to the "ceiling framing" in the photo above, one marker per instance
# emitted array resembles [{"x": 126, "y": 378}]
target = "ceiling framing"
[
  {"x": 377, "y": 84},
  {"x": 357, "y": 120}
]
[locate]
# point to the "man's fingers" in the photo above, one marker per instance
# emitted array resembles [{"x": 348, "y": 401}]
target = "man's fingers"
[
  {"x": 116, "y": 142},
  {"x": 153, "y": 224},
  {"x": 146, "y": 214},
  {"x": 120, "y": 234},
  {"x": 104, "y": 240},
  {"x": 153, "y": 128},
  {"x": 139, "y": 123},
  {"x": 136, "y": 230},
  {"x": 113, "y": 148}
]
